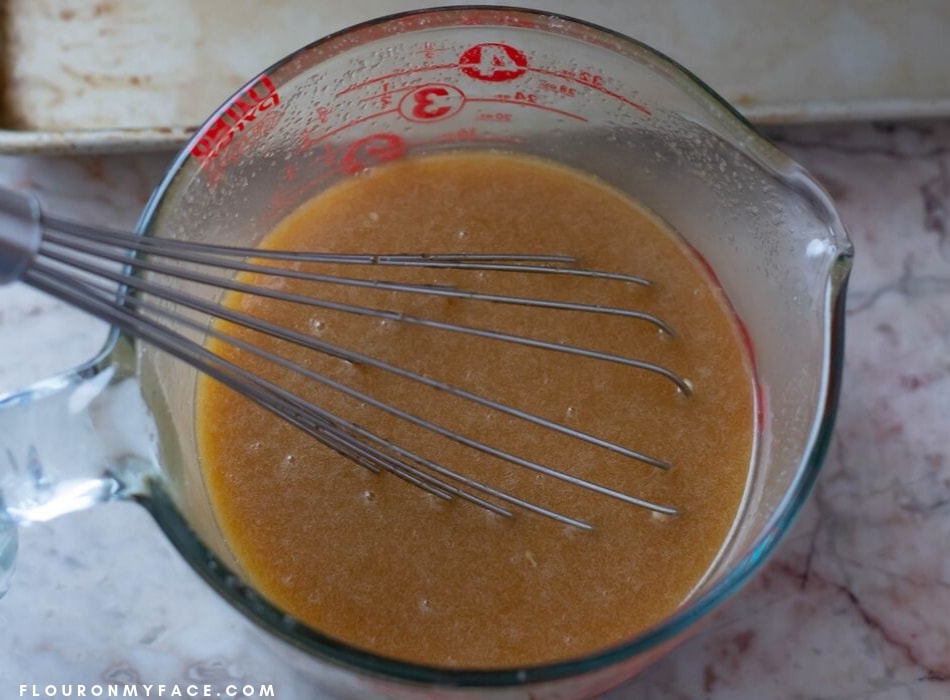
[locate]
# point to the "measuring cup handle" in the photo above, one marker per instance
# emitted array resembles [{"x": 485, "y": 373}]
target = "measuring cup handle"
[{"x": 67, "y": 444}]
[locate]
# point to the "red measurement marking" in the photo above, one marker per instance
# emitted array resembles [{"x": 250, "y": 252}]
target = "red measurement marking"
[
  {"x": 746, "y": 339},
  {"x": 235, "y": 118},
  {"x": 432, "y": 102},
  {"x": 386, "y": 98},
  {"x": 493, "y": 62},
  {"x": 759, "y": 390},
  {"x": 595, "y": 82},
  {"x": 308, "y": 141},
  {"x": 372, "y": 150},
  {"x": 429, "y": 50},
  {"x": 562, "y": 89},
  {"x": 518, "y": 97},
  {"x": 546, "y": 108},
  {"x": 396, "y": 74},
  {"x": 289, "y": 197},
  {"x": 327, "y": 161},
  {"x": 388, "y": 92},
  {"x": 495, "y": 116},
  {"x": 452, "y": 137}
]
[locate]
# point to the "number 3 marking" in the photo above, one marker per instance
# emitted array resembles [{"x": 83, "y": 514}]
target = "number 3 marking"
[{"x": 432, "y": 103}]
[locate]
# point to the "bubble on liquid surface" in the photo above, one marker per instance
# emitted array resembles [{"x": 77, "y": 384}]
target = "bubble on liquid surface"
[
  {"x": 570, "y": 412},
  {"x": 317, "y": 326}
]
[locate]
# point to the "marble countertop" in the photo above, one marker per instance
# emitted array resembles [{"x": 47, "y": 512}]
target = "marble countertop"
[{"x": 856, "y": 603}]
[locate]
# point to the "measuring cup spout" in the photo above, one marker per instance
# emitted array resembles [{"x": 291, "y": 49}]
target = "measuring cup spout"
[{"x": 69, "y": 443}]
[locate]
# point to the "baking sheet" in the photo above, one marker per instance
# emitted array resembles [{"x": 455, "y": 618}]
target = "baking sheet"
[{"x": 119, "y": 75}]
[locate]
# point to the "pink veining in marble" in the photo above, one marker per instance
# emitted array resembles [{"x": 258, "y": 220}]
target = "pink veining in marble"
[{"x": 856, "y": 604}]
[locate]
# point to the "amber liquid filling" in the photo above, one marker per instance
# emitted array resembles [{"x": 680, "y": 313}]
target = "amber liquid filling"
[{"x": 384, "y": 566}]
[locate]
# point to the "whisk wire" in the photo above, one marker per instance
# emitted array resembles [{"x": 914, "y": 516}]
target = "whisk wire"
[
  {"x": 201, "y": 278},
  {"x": 284, "y": 333},
  {"x": 545, "y": 264},
  {"x": 308, "y": 417},
  {"x": 187, "y": 254},
  {"x": 99, "y": 271}
]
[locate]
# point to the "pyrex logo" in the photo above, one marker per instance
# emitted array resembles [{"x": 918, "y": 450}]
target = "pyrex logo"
[{"x": 243, "y": 110}]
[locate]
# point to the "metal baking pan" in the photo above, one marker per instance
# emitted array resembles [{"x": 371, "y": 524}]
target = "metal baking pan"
[{"x": 132, "y": 75}]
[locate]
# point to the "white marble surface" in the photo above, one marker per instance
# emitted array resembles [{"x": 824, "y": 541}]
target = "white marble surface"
[{"x": 855, "y": 605}]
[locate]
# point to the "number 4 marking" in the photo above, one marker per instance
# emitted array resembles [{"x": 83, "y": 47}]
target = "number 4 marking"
[{"x": 493, "y": 62}]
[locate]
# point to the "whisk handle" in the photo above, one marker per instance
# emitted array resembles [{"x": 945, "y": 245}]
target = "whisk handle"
[{"x": 20, "y": 233}]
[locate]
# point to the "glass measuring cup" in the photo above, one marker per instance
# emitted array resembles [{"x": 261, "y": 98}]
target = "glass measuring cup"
[{"x": 418, "y": 83}]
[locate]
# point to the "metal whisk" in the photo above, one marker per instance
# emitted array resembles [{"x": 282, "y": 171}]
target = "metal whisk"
[{"x": 94, "y": 269}]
